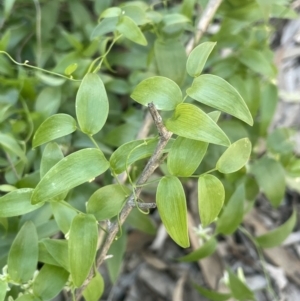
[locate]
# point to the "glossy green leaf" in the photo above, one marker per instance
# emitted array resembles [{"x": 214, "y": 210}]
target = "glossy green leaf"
[
  {"x": 277, "y": 236},
  {"x": 235, "y": 156},
  {"x": 9, "y": 143},
  {"x": 17, "y": 202},
  {"x": 198, "y": 57},
  {"x": 233, "y": 213},
  {"x": 207, "y": 249},
  {"x": 184, "y": 148},
  {"x": 107, "y": 201},
  {"x": 52, "y": 154},
  {"x": 58, "y": 249},
  {"x": 82, "y": 247},
  {"x": 171, "y": 205},
  {"x": 54, "y": 127},
  {"x": 94, "y": 289},
  {"x": 211, "y": 195},
  {"x": 73, "y": 170},
  {"x": 131, "y": 31},
  {"x": 212, "y": 295},
  {"x": 3, "y": 288},
  {"x": 270, "y": 177},
  {"x": 23, "y": 254},
  {"x": 171, "y": 59},
  {"x": 63, "y": 215},
  {"x": 191, "y": 122},
  {"x": 105, "y": 26},
  {"x": 91, "y": 104},
  {"x": 49, "y": 282},
  {"x": 163, "y": 92},
  {"x": 218, "y": 93},
  {"x": 140, "y": 221},
  {"x": 240, "y": 291}
]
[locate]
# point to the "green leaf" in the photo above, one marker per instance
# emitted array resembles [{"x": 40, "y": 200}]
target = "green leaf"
[
  {"x": 52, "y": 154},
  {"x": 48, "y": 101},
  {"x": 3, "y": 288},
  {"x": 71, "y": 69},
  {"x": 235, "y": 156},
  {"x": 163, "y": 92},
  {"x": 191, "y": 122},
  {"x": 239, "y": 289},
  {"x": 10, "y": 144},
  {"x": 73, "y": 170},
  {"x": 233, "y": 213},
  {"x": 218, "y": 93},
  {"x": 171, "y": 205},
  {"x": 105, "y": 26},
  {"x": 44, "y": 255},
  {"x": 211, "y": 295},
  {"x": 131, "y": 31},
  {"x": 91, "y": 104},
  {"x": 211, "y": 195},
  {"x": 171, "y": 59},
  {"x": 141, "y": 222},
  {"x": 23, "y": 254},
  {"x": 17, "y": 202},
  {"x": 54, "y": 127},
  {"x": 94, "y": 289},
  {"x": 82, "y": 247},
  {"x": 28, "y": 297},
  {"x": 111, "y": 12},
  {"x": 184, "y": 148},
  {"x": 49, "y": 282},
  {"x": 276, "y": 237},
  {"x": 270, "y": 177},
  {"x": 107, "y": 201},
  {"x": 187, "y": 8},
  {"x": 207, "y": 249},
  {"x": 58, "y": 249},
  {"x": 198, "y": 57},
  {"x": 63, "y": 215},
  {"x": 137, "y": 14}
]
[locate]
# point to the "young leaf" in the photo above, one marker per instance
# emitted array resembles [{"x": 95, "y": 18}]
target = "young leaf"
[
  {"x": 171, "y": 205},
  {"x": 211, "y": 195},
  {"x": 91, "y": 104},
  {"x": 131, "y": 31},
  {"x": 94, "y": 289},
  {"x": 49, "y": 282},
  {"x": 17, "y": 202},
  {"x": 277, "y": 236},
  {"x": 270, "y": 177},
  {"x": 107, "y": 201},
  {"x": 23, "y": 254},
  {"x": 184, "y": 148},
  {"x": 73, "y": 170},
  {"x": 211, "y": 295},
  {"x": 63, "y": 215},
  {"x": 191, "y": 122},
  {"x": 82, "y": 247},
  {"x": 54, "y": 127},
  {"x": 3, "y": 288},
  {"x": 208, "y": 248},
  {"x": 218, "y": 93},
  {"x": 233, "y": 213},
  {"x": 9, "y": 143},
  {"x": 198, "y": 57},
  {"x": 163, "y": 92},
  {"x": 235, "y": 157}
]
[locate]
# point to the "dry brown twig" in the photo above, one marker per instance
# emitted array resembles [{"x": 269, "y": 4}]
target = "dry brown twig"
[{"x": 155, "y": 159}]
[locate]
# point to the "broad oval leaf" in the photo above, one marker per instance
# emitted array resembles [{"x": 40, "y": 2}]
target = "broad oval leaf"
[
  {"x": 131, "y": 31},
  {"x": 107, "y": 201},
  {"x": 9, "y": 143},
  {"x": 163, "y": 92},
  {"x": 215, "y": 92},
  {"x": 233, "y": 213},
  {"x": 211, "y": 195},
  {"x": 94, "y": 289},
  {"x": 63, "y": 215},
  {"x": 191, "y": 122},
  {"x": 198, "y": 57},
  {"x": 277, "y": 236},
  {"x": 91, "y": 104},
  {"x": 23, "y": 255},
  {"x": 171, "y": 205},
  {"x": 17, "y": 202},
  {"x": 185, "y": 156},
  {"x": 82, "y": 247},
  {"x": 73, "y": 170},
  {"x": 105, "y": 26},
  {"x": 235, "y": 157},
  {"x": 207, "y": 249},
  {"x": 49, "y": 282},
  {"x": 54, "y": 127}
]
